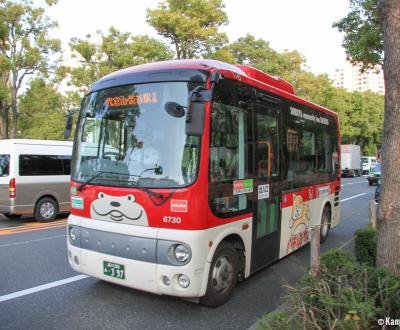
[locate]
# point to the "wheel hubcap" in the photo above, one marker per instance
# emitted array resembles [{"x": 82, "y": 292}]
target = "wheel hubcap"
[
  {"x": 47, "y": 210},
  {"x": 222, "y": 274}
]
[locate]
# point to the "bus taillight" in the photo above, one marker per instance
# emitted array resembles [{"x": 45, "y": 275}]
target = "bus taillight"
[{"x": 11, "y": 189}]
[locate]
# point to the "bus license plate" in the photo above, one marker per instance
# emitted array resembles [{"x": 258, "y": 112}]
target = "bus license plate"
[{"x": 114, "y": 270}]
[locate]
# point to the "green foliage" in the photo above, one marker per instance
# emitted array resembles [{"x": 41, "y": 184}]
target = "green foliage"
[
  {"x": 257, "y": 53},
  {"x": 190, "y": 25},
  {"x": 25, "y": 49},
  {"x": 346, "y": 295},
  {"x": 361, "y": 117},
  {"x": 117, "y": 50},
  {"x": 41, "y": 112},
  {"x": 363, "y": 38},
  {"x": 274, "y": 320},
  {"x": 365, "y": 245}
]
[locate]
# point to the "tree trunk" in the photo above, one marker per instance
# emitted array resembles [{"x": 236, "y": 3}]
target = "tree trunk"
[
  {"x": 14, "y": 108},
  {"x": 389, "y": 209},
  {"x": 3, "y": 120}
]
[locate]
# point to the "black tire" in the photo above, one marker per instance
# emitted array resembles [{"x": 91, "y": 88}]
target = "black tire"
[
  {"x": 218, "y": 294},
  {"x": 12, "y": 216},
  {"x": 325, "y": 224},
  {"x": 46, "y": 209}
]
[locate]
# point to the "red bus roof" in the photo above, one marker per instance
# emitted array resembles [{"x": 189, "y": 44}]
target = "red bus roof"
[{"x": 241, "y": 72}]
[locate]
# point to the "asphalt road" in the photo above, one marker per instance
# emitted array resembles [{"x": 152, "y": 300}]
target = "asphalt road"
[{"x": 36, "y": 256}]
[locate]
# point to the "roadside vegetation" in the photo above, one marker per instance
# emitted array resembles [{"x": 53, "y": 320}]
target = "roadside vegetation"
[
  {"x": 187, "y": 29},
  {"x": 349, "y": 294}
]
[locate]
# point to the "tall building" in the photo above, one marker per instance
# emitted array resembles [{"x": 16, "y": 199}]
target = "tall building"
[{"x": 352, "y": 79}]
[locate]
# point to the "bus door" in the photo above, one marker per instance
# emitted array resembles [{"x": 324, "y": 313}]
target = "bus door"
[{"x": 266, "y": 220}]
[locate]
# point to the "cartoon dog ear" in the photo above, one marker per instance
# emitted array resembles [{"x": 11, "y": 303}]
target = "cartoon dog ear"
[
  {"x": 100, "y": 195},
  {"x": 130, "y": 198}
]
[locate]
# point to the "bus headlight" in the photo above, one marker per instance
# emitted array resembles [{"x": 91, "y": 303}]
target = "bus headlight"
[
  {"x": 182, "y": 253},
  {"x": 183, "y": 281}
]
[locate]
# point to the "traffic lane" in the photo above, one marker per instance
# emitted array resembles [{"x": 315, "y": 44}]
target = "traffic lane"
[
  {"x": 33, "y": 258},
  {"x": 90, "y": 303},
  {"x": 93, "y": 304},
  {"x": 355, "y": 186}
]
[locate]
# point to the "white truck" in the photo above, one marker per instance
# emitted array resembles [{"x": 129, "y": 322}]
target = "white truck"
[{"x": 350, "y": 160}]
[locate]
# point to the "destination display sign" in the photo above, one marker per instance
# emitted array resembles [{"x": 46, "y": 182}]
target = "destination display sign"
[{"x": 136, "y": 99}]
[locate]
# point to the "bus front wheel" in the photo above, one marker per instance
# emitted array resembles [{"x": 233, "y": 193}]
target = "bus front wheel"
[{"x": 222, "y": 278}]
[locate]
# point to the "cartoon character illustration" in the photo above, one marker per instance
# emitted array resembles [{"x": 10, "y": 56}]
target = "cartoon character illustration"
[
  {"x": 123, "y": 209},
  {"x": 298, "y": 223}
]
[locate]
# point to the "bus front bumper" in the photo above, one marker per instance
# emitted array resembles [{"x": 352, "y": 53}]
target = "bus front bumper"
[{"x": 140, "y": 253}]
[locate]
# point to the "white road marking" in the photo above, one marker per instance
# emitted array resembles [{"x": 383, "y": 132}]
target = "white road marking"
[
  {"x": 347, "y": 199},
  {"x": 345, "y": 184},
  {"x": 32, "y": 241},
  {"x": 41, "y": 287}
]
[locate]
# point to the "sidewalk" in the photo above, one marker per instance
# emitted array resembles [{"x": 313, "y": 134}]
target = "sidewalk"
[{"x": 347, "y": 246}]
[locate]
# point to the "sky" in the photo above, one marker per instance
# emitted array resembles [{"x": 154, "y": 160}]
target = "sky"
[{"x": 302, "y": 25}]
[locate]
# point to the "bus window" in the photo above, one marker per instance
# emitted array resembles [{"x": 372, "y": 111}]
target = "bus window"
[
  {"x": 267, "y": 145},
  {"x": 228, "y": 151},
  {"x": 312, "y": 146}
]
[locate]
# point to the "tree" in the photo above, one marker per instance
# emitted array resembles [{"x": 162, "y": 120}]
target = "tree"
[
  {"x": 389, "y": 210},
  {"x": 288, "y": 65},
  {"x": 25, "y": 49},
  {"x": 363, "y": 39},
  {"x": 361, "y": 117},
  {"x": 190, "y": 25},
  {"x": 117, "y": 50},
  {"x": 42, "y": 111},
  {"x": 379, "y": 22}
]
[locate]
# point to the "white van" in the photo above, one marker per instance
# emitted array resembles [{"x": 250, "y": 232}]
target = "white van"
[
  {"x": 368, "y": 163},
  {"x": 34, "y": 178}
]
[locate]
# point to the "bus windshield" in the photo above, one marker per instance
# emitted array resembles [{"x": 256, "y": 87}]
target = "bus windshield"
[{"x": 126, "y": 133}]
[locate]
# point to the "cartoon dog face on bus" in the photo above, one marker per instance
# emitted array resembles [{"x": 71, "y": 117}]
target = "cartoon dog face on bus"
[{"x": 122, "y": 209}]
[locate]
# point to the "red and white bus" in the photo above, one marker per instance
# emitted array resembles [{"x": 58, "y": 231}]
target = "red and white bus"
[{"x": 190, "y": 175}]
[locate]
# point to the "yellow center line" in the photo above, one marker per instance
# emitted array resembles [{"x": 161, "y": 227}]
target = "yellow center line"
[
  {"x": 24, "y": 229},
  {"x": 36, "y": 225}
]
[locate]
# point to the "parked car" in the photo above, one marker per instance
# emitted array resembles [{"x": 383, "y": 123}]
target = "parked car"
[
  {"x": 34, "y": 178},
  {"x": 375, "y": 175}
]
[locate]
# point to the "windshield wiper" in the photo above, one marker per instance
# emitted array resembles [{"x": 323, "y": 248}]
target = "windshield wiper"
[
  {"x": 94, "y": 177},
  {"x": 88, "y": 181},
  {"x": 135, "y": 184}
]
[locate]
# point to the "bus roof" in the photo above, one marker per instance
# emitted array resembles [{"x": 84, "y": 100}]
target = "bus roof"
[{"x": 198, "y": 70}]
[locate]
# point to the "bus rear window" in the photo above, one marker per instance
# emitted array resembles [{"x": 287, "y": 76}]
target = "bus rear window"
[{"x": 4, "y": 165}]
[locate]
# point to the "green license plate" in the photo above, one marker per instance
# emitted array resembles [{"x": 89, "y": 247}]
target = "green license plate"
[{"x": 114, "y": 270}]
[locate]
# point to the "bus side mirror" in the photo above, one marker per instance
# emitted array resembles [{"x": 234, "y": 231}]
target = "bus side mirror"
[
  {"x": 195, "y": 114},
  {"x": 195, "y": 118},
  {"x": 68, "y": 126}
]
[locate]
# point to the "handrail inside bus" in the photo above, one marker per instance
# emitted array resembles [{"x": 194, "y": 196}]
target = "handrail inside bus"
[{"x": 269, "y": 155}]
